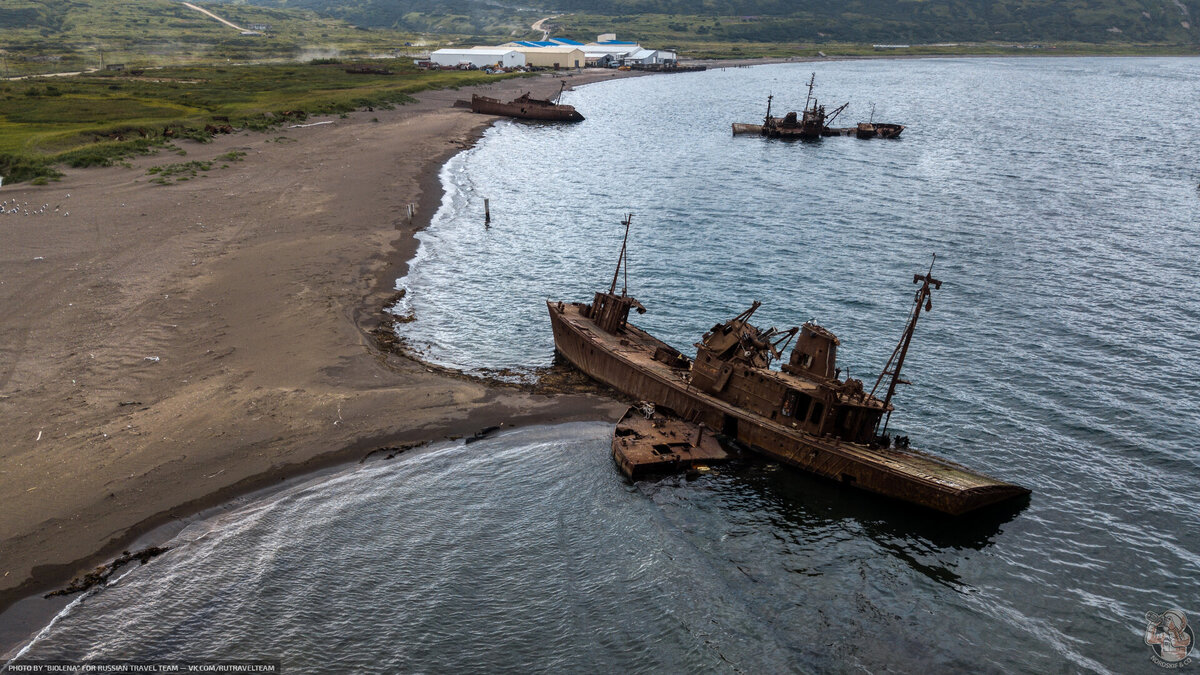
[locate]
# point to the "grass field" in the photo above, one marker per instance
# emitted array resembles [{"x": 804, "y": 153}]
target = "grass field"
[
  {"x": 99, "y": 117},
  {"x": 43, "y": 36}
]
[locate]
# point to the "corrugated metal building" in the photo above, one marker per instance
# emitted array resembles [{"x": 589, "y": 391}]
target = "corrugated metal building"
[
  {"x": 616, "y": 51},
  {"x": 480, "y": 57},
  {"x": 554, "y": 56},
  {"x": 643, "y": 57}
]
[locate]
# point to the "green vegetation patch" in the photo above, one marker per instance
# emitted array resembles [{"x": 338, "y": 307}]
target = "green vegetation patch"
[
  {"x": 178, "y": 172},
  {"x": 98, "y": 118},
  {"x": 84, "y": 107}
]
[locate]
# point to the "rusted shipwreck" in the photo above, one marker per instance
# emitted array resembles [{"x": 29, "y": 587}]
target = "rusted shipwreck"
[
  {"x": 526, "y": 107},
  {"x": 802, "y": 414},
  {"x": 814, "y": 122}
]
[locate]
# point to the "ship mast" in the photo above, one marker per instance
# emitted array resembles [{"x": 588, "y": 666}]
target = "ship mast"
[
  {"x": 811, "y": 81},
  {"x": 921, "y": 300},
  {"x": 612, "y": 289},
  {"x": 767, "y": 119}
]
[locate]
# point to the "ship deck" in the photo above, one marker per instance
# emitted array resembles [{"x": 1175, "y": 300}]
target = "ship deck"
[{"x": 643, "y": 445}]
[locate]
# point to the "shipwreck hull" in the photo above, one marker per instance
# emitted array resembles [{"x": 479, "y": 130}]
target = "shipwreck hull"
[
  {"x": 625, "y": 362},
  {"x": 876, "y": 131},
  {"x": 525, "y": 108}
]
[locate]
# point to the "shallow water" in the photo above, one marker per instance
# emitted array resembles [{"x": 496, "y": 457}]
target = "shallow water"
[{"x": 1060, "y": 354}]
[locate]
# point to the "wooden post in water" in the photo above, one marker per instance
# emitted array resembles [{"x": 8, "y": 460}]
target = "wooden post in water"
[{"x": 487, "y": 213}]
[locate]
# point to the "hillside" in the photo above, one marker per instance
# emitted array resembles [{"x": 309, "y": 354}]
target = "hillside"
[
  {"x": 861, "y": 21},
  {"x": 460, "y": 17},
  {"x": 62, "y": 35}
]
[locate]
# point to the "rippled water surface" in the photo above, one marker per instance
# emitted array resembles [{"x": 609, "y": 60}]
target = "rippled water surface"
[{"x": 1060, "y": 196}]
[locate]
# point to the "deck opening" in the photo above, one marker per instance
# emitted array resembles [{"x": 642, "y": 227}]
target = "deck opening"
[{"x": 729, "y": 426}]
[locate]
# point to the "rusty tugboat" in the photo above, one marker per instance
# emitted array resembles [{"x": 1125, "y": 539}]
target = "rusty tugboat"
[
  {"x": 526, "y": 107},
  {"x": 814, "y": 123},
  {"x": 802, "y": 415}
]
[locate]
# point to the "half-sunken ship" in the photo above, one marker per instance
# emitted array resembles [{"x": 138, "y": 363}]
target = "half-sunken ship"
[
  {"x": 802, "y": 414},
  {"x": 526, "y": 107},
  {"x": 814, "y": 122}
]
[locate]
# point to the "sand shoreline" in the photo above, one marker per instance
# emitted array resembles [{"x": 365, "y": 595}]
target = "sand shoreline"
[{"x": 278, "y": 375}]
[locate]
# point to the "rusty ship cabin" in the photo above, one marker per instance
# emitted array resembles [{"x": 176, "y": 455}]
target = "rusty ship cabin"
[{"x": 733, "y": 364}]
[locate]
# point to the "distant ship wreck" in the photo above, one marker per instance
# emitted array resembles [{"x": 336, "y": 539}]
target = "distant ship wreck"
[
  {"x": 815, "y": 123},
  {"x": 526, "y": 107},
  {"x": 803, "y": 414}
]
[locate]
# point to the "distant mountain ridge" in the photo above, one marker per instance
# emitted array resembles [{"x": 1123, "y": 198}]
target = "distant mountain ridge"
[{"x": 919, "y": 21}]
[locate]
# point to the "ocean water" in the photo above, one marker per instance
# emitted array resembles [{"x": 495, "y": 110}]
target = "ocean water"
[{"x": 1060, "y": 197}]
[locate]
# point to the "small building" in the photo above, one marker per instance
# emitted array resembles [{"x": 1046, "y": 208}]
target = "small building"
[
  {"x": 115, "y": 66},
  {"x": 642, "y": 57},
  {"x": 260, "y": 27},
  {"x": 616, "y": 51},
  {"x": 480, "y": 57},
  {"x": 600, "y": 60},
  {"x": 606, "y": 37}
]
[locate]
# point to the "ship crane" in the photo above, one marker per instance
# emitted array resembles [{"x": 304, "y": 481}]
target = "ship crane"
[
  {"x": 922, "y": 300},
  {"x": 833, "y": 115}
]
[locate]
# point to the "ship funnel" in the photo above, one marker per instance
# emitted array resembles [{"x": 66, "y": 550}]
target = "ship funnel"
[{"x": 815, "y": 354}]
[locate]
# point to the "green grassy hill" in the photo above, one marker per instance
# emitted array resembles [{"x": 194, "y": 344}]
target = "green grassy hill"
[
  {"x": 912, "y": 21},
  {"x": 39, "y": 36},
  {"x": 842, "y": 21}
]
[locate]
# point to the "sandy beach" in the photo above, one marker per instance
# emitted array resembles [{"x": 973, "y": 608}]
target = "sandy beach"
[{"x": 167, "y": 347}]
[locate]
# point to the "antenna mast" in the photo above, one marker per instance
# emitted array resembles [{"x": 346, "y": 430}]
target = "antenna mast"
[
  {"x": 921, "y": 300},
  {"x": 612, "y": 289}
]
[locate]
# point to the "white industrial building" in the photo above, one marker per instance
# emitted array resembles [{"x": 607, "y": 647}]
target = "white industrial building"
[
  {"x": 480, "y": 58},
  {"x": 641, "y": 57},
  {"x": 615, "y": 52},
  {"x": 650, "y": 57}
]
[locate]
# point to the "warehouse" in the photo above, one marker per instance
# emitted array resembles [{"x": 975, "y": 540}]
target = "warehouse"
[
  {"x": 642, "y": 57},
  {"x": 614, "y": 51},
  {"x": 551, "y": 57},
  {"x": 480, "y": 57}
]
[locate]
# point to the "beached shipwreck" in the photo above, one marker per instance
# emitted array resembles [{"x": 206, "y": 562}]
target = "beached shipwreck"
[
  {"x": 814, "y": 122},
  {"x": 802, "y": 414},
  {"x": 527, "y": 107}
]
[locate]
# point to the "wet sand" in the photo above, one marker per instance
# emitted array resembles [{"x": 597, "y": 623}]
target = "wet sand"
[{"x": 167, "y": 347}]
